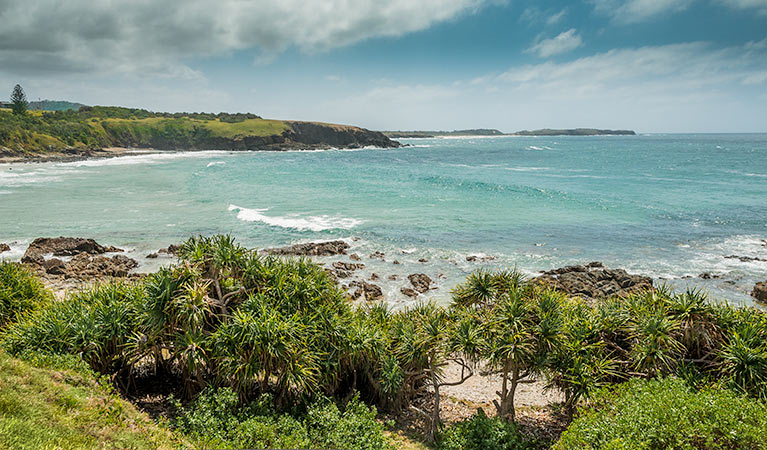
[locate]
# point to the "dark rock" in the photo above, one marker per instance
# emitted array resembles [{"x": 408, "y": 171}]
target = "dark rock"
[
  {"x": 374, "y": 277},
  {"x": 594, "y": 281},
  {"x": 328, "y": 248},
  {"x": 409, "y": 292},
  {"x": 421, "y": 282},
  {"x": 4, "y": 247},
  {"x": 709, "y": 276},
  {"x": 366, "y": 291},
  {"x": 392, "y": 278},
  {"x": 395, "y": 262},
  {"x": 63, "y": 246},
  {"x": 340, "y": 265},
  {"x": 152, "y": 255},
  {"x": 172, "y": 249},
  {"x": 423, "y": 260},
  {"x": 84, "y": 266},
  {"x": 55, "y": 266},
  {"x": 354, "y": 257},
  {"x": 377, "y": 255},
  {"x": 746, "y": 258},
  {"x": 475, "y": 258},
  {"x": 760, "y": 291}
]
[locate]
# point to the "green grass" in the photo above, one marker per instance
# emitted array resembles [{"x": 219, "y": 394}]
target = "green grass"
[
  {"x": 217, "y": 128},
  {"x": 61, "y": 409}
]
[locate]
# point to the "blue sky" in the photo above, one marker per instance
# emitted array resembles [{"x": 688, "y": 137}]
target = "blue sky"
[{"x": 649, "y": 65}]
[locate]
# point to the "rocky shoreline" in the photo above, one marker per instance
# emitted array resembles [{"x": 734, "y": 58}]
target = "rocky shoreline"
[{"x": 68, "y": 262}]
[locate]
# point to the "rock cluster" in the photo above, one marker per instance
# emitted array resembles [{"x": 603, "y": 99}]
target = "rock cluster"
[
  {"x": 86, "y": 258},
  {"x": 63, "y": 246},
  {"x": 328, "y": 248},
  {"x": 760, "y": 291},
  {"x": 421, "y": 282},
  {"x": 593, "y": 280},
  {"x": 746, "y": 258},
  {"x": 4, "y": 247}
]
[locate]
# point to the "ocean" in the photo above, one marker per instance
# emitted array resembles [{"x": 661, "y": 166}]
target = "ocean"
[{"x": 668, "y": 206}]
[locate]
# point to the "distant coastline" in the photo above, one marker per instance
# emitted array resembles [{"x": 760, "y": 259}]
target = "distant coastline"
[{"x": 494, "y": 132}]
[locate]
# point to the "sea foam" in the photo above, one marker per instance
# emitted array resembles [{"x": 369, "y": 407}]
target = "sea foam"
[{"x": 295, "y": 221}]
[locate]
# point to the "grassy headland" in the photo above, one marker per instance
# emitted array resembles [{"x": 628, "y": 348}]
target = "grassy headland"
[{"x": 88, "y": 129}]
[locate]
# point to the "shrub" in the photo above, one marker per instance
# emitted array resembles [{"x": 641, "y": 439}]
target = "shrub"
[
  {"x": 95, "y": 324},
  {"x": 20, "y": 291},
  {"x": 483, "y": 433},
  {"x": 667, "y": 414},
  {"x": 217, "y": 419}
]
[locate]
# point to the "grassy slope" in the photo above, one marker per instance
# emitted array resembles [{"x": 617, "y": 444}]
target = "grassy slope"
[
  {"x": 47, "y": 409},
  {"x": 248, "y": 127}
]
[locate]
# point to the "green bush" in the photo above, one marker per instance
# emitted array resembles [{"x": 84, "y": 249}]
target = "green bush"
[
  {"x": 667, "y": 414},
  {"x": 217, "y": 419},
  {"x": 20, "y": 291},
  {"x": 95, "y": 324},
  {"x": 483, "y": 433}
]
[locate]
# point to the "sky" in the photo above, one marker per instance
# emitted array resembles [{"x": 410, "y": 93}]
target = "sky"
[{"x": 655, "y": 66}]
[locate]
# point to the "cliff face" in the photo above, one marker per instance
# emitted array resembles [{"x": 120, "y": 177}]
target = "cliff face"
[{"x": 298, "y": 135}]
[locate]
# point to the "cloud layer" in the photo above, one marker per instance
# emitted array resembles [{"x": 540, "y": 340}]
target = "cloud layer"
[{"x": 123, "y": 35}]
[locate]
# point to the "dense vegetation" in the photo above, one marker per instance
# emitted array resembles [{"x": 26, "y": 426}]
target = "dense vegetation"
[
  {"x": 279, "y": 339},
  {"x": 102, "y": 126},
  {"x": 668, "y": 414}
]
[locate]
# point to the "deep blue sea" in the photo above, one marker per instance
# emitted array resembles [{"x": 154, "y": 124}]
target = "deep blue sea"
[{"x": 670, "y": 206}]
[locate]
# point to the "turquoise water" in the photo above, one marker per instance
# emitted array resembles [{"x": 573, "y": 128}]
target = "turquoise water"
[{"x": 670, "y": 206}]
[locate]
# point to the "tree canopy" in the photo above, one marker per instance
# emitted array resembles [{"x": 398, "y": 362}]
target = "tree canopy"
[{"x": 19, "y": 100}]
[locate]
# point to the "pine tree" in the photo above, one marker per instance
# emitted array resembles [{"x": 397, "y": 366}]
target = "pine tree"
[{"x": 19, "y": 101}]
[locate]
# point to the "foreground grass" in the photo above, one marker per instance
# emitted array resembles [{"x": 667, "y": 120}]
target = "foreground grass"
[{"x": 60, "y": 409}]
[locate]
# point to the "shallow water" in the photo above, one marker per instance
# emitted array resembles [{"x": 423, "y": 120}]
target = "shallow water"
[{"x": 670, "y": 206}]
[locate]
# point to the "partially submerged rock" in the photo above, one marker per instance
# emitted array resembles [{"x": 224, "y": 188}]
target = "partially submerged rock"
[
  {"x": 479, "y": 258},
  {"x": 760, "y": 291},
  {"x": 593, "y": 280},
  {"x": 421, "y": 282},
  {"x": 409, "y": 292},
  {"x": 341, "y": 265},
  {"x": 86, "y": 258},
  {"x": 746, "y": 258},
  {"x": 63, "y": 246},
  {"x": 328, "y": 248},
  {"x": 4, "y": 247},
  {"x": 366, "y": 291},
  {"x": 377, "y": 255}
]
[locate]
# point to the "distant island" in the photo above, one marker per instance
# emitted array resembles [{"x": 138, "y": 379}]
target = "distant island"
[
  {"x": 66, "y": 132},
  {"x": 494, "y": 132}
]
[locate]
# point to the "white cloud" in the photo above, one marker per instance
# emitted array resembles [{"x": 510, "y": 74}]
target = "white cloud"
[
  {"x": 130, "y": 35},
  {"x": 564, "y": 42},
  {"x": 632, "y": 11},
  {"x": 759, "y": 5},
  {"x": 556, "y": 18}
]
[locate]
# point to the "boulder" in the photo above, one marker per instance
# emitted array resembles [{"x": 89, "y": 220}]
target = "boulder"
[
  {"x": 392, "y": 278},
  {"x": 172, "y": 249},
  {"x": 328, "y": 248},
  {"x": 423, "y": 260},
  {"x": 354, "y": 257},
  {"x": 421, "y": 282},
  {"x": 63, "y": 246},
  {"x": 374, "y": 277},
  {"x": 4, "y": 247},
  {"x": 593, "y": 280},
  {"x": 709, "y": 276},
  {"x": 760, "y": 291},
  {"x": 377, "y": 255},
  {"x": 366, "y": 291},
  {"x": 409, "y": 292},
  {"x": 152, "y": 256}
]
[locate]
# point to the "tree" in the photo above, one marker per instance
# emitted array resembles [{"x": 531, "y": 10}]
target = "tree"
[{"x": 19, "y": 101}]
